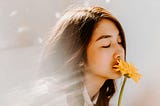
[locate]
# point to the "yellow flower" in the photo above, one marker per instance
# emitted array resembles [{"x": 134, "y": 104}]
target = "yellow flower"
[{"x": 128, "y": 70}]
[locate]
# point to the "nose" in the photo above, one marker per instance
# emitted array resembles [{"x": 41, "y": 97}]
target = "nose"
[{"x": 119, "y": 53}]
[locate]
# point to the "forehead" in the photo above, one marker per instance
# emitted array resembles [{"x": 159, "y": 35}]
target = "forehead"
[{"x": 105, "y": 27}]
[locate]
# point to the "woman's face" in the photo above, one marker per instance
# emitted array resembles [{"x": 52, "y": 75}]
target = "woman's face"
[{"x": 104, "y": 49}]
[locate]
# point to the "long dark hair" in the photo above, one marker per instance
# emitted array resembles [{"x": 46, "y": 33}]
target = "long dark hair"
[{"x": 66, "y": 47}]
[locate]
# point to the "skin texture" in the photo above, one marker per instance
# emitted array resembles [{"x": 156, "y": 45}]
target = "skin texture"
[{"x": 102, "y": 53}]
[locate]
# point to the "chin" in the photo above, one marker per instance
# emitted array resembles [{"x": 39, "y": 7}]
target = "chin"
[{"x": 117, "y": 75}]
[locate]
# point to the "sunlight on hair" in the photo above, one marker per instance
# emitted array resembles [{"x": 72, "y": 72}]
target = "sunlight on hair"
[
  {"x": 13, "y": 13},
  {"x": 107, "y": 1},
  {"x": 40, "y": 40},
  {"x": 22, "y": 29},
  {"x": 86, "y": 3},
  {"x": 36, "y": 94},
  {"x": 41, "y": 87},
  {"x": 57, "y": 14}
]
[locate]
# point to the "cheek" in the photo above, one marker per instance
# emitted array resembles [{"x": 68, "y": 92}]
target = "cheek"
[
  {"x": 103, "y": 59},
  {"x": 99, "y": 59}
]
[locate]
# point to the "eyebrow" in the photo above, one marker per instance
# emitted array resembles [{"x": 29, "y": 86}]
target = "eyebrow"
[{"x": 103, "y": 37}]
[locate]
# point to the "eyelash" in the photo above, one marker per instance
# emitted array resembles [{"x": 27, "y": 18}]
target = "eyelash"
[
  {"x": 110, "y": 45},
  {"x": 106, "y": 46}
]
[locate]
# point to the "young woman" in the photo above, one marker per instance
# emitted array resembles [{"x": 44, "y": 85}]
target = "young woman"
[{"x": 81, "y": 52}]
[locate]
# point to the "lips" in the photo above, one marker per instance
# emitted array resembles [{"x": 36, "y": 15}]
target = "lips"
[{"x": 114, "y": 64}]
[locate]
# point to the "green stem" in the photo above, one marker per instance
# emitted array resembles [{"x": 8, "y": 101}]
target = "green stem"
[{"x": 121, "y": 92}]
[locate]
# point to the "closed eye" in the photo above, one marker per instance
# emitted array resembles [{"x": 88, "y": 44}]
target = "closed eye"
[{"x": 106, "y": 46}]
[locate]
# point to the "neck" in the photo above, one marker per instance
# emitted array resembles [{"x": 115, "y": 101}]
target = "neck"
[{"x": 93, "y": 83}]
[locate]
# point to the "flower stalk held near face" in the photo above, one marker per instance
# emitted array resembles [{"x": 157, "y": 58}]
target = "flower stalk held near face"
[{"x": 128, "y": 71}]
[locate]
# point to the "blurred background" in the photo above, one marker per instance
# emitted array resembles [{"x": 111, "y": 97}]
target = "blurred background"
[{"x": 24, "y": 25}]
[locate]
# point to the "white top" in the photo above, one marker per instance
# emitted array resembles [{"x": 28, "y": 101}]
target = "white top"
[{"x": 87, "y": 99}]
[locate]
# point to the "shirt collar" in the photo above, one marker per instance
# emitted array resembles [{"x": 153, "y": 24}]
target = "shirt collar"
[{"x": 87, "y": 100}]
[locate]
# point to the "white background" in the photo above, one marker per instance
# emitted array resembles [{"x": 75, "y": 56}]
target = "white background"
[{"x": 24, "y": 24}]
